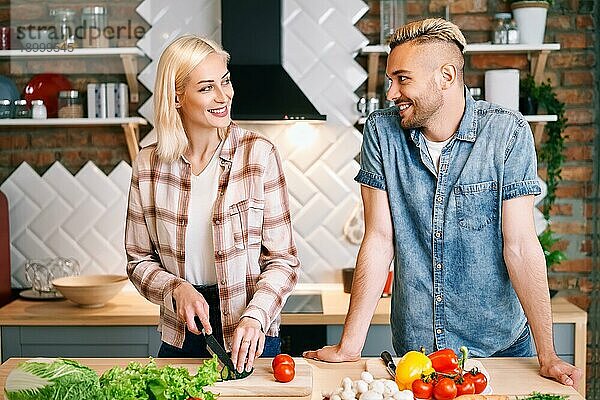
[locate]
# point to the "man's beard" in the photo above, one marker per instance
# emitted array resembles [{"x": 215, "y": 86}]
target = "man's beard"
[{"x": 423, "y": 110}]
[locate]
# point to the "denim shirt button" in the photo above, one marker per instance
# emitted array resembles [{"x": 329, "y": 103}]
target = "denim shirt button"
[
  {"x": 438, "y": 298},
  {"x": 438, "y": 234},
  {"x": 440, "y": 199},
  {"x": 438, "y": 331},
  {"x": 439, "y": 266}
]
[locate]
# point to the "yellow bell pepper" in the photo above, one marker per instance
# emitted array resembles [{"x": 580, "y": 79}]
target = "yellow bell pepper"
[{"x": 410, "y": 367}]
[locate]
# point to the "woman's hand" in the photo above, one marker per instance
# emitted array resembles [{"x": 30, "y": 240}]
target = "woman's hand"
[
  {"x": 190, "y": 304},
  {"x": 248, "y": 343}
]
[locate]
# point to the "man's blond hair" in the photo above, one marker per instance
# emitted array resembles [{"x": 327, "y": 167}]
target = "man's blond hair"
[{"x": 427, "y": 31}]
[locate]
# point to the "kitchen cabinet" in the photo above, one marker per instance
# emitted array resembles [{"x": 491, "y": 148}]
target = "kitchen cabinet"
[
  {"x": 536, "y": 53},
  {"x": 126, "y": 326},
  {"x": 129, "y": 57}
]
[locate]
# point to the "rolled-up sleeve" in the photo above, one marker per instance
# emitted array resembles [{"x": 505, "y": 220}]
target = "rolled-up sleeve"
[
  {"x": 520, "y": 165},
  {"x": 278, "y": 259},
  {"x": 371, "y": 166}
]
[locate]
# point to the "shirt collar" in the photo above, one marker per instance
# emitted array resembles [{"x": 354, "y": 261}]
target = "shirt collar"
[{"x": 467, "y": 130}]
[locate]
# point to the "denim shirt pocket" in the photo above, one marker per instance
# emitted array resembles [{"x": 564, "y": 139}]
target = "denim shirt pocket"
[
  {"x": 476, "y": 204},
  {"x": 246, "y": 222}
]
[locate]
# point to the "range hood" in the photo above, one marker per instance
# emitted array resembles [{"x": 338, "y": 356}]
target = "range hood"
[{"x": 251, "y": 33}]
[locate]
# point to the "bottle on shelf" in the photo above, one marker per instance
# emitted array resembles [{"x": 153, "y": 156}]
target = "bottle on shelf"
[
  {"x": 21, "y": 110},
  {"x": 38, "y": 109}
]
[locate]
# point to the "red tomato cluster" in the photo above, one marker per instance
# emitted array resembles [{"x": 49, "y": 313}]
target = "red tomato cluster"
[
  {"x": 449, "y": 380},
  {"x": 283, "y": 368},
  {"x": 448, "y": 387}
]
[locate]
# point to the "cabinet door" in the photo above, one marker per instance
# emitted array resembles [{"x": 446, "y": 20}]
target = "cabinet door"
[{"x": 94, "y": 341}]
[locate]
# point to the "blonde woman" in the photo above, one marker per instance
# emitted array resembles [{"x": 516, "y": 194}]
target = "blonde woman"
[{"x": 208, "y": 233}]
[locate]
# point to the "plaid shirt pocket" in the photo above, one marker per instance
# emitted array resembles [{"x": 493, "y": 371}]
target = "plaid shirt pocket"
[{"x": 246, "y": 222}]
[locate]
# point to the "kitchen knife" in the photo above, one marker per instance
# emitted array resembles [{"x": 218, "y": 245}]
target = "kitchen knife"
[
  {"x": 389, "y": 363},
  {"x": 228, "y": 372}
]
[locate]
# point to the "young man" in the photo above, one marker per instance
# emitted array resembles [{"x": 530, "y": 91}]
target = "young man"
[{"x": 448, "y": 188}]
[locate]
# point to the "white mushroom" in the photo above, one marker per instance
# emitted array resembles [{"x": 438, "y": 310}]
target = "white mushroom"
[
  {"x": 347, "y": 383},
  {"x": 371, "y": 395},
  {"x": 390, "y": 388},
  {"x": 348, "y": 395},
  {"x": 403, "y": 395},
  {"x": 361, "y": 386},
  {"x": 335, "y": 397},
  {"x": 377, "y": 386},
  {"x": 366, "y": 376}
]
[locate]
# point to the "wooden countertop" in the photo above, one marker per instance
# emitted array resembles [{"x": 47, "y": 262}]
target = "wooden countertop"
[
  {"x": 514, "y": 376},
  {"x": 130, "y": 308}
]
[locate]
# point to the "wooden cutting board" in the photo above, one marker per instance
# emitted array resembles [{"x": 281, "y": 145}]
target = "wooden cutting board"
[
  {"x": 377, "y": 368},
  {"x": 262, "y": 383}
]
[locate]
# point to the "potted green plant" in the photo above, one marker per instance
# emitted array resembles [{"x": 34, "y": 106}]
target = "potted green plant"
[
  {"x": 551, "y": 154},
  {"x": 531, "y": 19}
]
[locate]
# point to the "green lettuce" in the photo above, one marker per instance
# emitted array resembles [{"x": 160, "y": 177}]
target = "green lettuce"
[{"x": 149, "y": 382}]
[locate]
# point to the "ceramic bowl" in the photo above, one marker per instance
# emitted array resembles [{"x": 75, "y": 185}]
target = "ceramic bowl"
[{"x": 90, "y": 291}]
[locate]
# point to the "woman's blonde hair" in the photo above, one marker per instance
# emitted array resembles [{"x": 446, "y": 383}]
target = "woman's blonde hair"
[
  {"x": 175, "y": 65},
  {"x": 429, "y": 30}
]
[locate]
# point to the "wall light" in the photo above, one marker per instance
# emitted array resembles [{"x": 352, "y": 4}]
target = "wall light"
[{"x": 301, "y": 135}]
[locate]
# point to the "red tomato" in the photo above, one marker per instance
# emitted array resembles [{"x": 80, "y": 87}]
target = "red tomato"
[
  {"x": 284, "y": 373},
  {"x": 444, "y": 389},
  {"x": 466, "y": 386},
  {"x": 282, "y": 359},
  {"x": 478, "y": 379},
  {"x": 422, "y": 389}
]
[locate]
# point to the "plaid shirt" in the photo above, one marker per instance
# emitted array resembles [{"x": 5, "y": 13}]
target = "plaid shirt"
[{"x": 255, "y": 254}]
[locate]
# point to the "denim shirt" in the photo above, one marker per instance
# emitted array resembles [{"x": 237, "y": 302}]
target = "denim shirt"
[{"x": 451, "y": 285}]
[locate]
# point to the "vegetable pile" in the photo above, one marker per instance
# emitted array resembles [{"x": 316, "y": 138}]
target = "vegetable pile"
[
  {"x": 52, "y": 379},
  {"x": 367, "y": 388},
  {"x": 442, "y": 375}
]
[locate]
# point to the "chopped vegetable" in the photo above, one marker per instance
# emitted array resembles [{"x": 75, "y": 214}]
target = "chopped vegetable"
[
  {"x": 45, "y": 379},
  {"x": 543, "y": 396},
  {"x": 148, "y": 382}
]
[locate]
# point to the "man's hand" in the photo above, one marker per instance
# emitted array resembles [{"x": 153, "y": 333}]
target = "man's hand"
[
  {"x": 561, "y": 371},
  {"x": 191, "y": 304},
  {"x": 331, "y": 354},
  {"x": 248, "y": 343}
]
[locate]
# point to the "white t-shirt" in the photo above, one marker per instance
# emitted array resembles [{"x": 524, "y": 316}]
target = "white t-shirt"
[
  {"x": 199, "y": 247},
  {"x": 435, "y": 151}
]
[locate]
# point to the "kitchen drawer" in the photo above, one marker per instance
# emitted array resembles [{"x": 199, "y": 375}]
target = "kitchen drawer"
[{"x": 80, "y": 341}]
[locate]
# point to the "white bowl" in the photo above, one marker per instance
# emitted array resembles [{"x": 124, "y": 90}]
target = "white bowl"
[{"x": 90, "y": 291}]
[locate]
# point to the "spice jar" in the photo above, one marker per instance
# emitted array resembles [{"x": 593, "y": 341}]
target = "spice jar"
[
  {"x": 512, "y": 33},
  {"x": 69, "y": 104},
  {"x": 38, "y": 109},
  {"x": 94, "y": 22},
  {"x": 502, "y": 22},
  {"x": 21, "y": 110},
  {"x": 64, "y": 21},
  {"x": 5, "y": 108}
]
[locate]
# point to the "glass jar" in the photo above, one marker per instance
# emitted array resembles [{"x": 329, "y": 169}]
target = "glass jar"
[
  {"x": 512, "y": 32},
  {"x": 21, "y": 110},
  {"x": 5, "y": 108},
  {"x": 64, "y": 22},
  {"x": 38, "y": 109},
  {"x": 69, "y": 104},
  {"x": 501, "y": 24},
  {"x": 392, "y": 15},
  {"x": 476, "y": 93},
  {"x": 94, "y": 22}
]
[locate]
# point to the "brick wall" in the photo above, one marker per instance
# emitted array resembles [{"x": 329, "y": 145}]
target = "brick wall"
[
  {"x": 72, "y": 146},
  {"x": 571, "y": 24}
]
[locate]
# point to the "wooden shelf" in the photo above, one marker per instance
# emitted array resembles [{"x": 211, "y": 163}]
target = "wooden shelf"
[
  {"x": 130, "y": 125},
  {"x": 481, "y": 48},
  {"x": 129, "y": 56},
  {"x": 529, "y": 118},
  {"x": 87, "y": 52}
]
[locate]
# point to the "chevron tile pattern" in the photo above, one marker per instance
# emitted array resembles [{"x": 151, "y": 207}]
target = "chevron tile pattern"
[{"x": 59, "y": 214}]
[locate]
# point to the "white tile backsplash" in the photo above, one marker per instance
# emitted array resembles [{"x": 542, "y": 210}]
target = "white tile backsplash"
[{"x": 83, "y": 216}]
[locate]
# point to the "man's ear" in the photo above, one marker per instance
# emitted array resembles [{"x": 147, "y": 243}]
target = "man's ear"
[{"x": 448, "y": 74}]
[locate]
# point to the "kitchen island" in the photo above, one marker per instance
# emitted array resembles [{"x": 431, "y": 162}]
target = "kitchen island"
[
  {"x": 126, "y": 326},
  {"x": 514, "y": 377}
]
